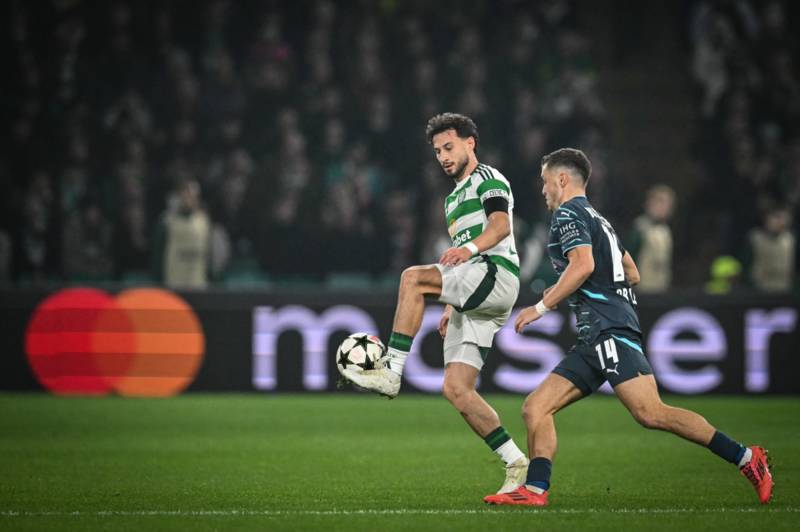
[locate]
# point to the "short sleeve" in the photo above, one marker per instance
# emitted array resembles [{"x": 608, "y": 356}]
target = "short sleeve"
[
  {"x": 572, "y": 231},
  {"x": 492, "y": 188}
]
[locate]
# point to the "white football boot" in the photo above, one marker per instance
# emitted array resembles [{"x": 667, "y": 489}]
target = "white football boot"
[
  {"x": 516, "y": 474},
  {"x": 380, "y": 380}
]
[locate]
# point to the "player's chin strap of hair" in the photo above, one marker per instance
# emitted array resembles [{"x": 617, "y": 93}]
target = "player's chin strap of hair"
[{"x": 541, "y": 308}]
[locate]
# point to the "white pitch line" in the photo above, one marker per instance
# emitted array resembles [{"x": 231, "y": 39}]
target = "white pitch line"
[{"x": 399, "y": 511}]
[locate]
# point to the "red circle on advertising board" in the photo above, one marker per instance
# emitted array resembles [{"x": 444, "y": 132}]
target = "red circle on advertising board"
[
  {"x": 144, "y": 342},
  {"x": 62, "y": 339}
]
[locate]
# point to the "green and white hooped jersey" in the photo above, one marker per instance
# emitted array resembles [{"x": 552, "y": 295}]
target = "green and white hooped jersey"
[{"x": 466, "y": 218}]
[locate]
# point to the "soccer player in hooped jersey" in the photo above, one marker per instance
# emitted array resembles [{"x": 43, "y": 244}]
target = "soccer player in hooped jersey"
[
  {"x": 477, "y": 278},
  {"x": 596, "y": 274}
]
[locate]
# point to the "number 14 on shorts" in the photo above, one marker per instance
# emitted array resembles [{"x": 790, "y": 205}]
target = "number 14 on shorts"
[{"x": 610, "y": 348}]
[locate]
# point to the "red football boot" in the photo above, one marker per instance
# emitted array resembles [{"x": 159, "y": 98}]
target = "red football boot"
[
  {"x": 521, "y": 496},
  {"x": 757, "y": 472}
]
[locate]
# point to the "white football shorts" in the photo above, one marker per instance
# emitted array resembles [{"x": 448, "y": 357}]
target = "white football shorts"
[{"x": 482, "y": 295}]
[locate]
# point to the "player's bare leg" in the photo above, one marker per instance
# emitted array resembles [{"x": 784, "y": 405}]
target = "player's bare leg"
[
  {"x": 538, "y": 411},
  {"x": 459, "y": 388},
  {"x": 415, "y": 283},
  {"x": 640, "y": 397}
]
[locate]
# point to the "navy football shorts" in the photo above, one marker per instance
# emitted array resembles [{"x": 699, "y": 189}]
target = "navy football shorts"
[{"x": 612, "y": 357}]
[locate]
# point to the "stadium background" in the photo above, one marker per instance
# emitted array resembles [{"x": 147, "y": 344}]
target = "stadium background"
[
  {"x": 293, "y": 134},
  {"x": 301, "y": 126}
]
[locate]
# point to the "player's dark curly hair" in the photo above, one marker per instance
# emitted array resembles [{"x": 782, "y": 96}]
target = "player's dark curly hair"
[
  {"x": 572, "y": 159},
  {"x": 463, "y": 125}
]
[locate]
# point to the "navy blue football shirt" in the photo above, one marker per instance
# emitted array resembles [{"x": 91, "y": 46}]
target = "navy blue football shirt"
[{"x": 605, "y": 301}]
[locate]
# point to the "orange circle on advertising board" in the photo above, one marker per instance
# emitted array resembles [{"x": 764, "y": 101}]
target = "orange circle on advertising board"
[
  {"x": 143, "y": 342},
  {"x": 169, "y": 343}
]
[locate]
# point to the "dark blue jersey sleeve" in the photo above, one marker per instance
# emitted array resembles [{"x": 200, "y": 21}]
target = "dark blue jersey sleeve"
[{"x": 572, "y": 231}]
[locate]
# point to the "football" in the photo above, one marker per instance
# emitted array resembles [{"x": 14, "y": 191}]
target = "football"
[{"x": 359, "y": 352}]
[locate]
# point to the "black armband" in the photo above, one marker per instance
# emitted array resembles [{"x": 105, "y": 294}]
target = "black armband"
[{"x": 494, "y": 205}]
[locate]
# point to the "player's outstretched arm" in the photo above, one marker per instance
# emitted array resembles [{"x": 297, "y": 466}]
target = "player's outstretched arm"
[
  {"x": 631, "y": 271},
  {"x": 497, "y": 229},
  {"x": 580, "y": 267}
]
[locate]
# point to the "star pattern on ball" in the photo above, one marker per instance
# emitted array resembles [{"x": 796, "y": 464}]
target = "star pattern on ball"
[
  {"x": 344, "y": 359},
  {"x": 367, "y": 364},
  {"x": 362, "y": 341}
]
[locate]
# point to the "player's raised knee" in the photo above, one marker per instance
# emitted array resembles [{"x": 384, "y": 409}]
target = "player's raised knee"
[{"x": 410, "y": 277}]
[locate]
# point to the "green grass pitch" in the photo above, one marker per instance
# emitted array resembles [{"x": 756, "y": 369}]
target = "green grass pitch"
[{"x": 359, "y": 462}]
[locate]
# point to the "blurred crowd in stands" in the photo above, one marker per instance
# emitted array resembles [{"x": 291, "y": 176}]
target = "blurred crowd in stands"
[
  {"x": 745, "y": 62},
  {"x": 244, "y": 142},
  {"x": 270, "y": 139}
]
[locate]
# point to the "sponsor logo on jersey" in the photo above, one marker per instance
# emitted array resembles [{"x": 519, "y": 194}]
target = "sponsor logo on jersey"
[
  {"x": 463, "y": 238},
  {"x": 567, "y": 227}
]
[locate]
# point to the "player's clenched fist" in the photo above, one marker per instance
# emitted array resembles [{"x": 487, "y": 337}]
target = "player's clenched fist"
[
  {"x": 526, "y": 316},
  {"x": 455, "y": 256}
]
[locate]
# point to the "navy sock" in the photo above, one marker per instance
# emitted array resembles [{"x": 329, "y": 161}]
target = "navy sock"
[
  {"x": 726, "y": 448},
  {"x": 539, "y": 473}
]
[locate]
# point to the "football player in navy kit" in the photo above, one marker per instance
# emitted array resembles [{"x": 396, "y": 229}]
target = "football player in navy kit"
[{"x": 596, "y": 276}]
